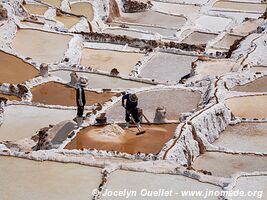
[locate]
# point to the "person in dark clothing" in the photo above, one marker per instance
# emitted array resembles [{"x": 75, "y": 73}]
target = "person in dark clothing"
[
  {"x": 80, "y": 99},
  {"x": 131, "y": 109}
]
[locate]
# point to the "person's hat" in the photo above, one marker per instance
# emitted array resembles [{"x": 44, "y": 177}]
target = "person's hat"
[
  {"x": 83, "y": 81},
  {"x": 133, "y": 97}
]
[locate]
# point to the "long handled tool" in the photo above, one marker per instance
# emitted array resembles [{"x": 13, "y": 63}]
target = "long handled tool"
[
  {"x": 139, "y": 131},
  {"x": 148, "y": 122}
]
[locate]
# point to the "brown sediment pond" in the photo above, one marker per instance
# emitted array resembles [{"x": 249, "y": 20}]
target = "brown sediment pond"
[
  {"x": 98, "y": 81},
  {"x": 232, "y": 163},
  {"x": 68, "y": 21},
  {"x": 240, "y": 6},
  {"x": 25, "y": 179},
  {"x": 151, "y": 141},
  {"x": 166, "y": 67},
  {"x": 53, "y": 93},
  {"x": 14, "y": 70},
  {"x": 36, "y": 9},
  {"x": 199, "y": 38},
  {"x": 246, "y": 137},
  {"x": 41, "y": 46},
  {"x": 83, "y": 8},
  {"x": 258, "y": 85},
  {"x": 227, "y": 41},
  {"x": 153, "y": 18},
  {"x": 248, "y": 106},
  {"x": 9, "y": 97},
  {"x": 106, "y": 60},
  {"x": 176, "y": 101}
]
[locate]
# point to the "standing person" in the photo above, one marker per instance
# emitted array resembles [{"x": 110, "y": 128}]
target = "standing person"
[
  {"x": 131, "y": 109},
  {"x": 80, "y": 99}
]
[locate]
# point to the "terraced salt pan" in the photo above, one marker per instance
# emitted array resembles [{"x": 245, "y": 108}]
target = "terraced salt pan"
[
  {"x": 259, "y": 85},
  {"x": 227, "y": 41},
  {"x": 106, "y": 60},
  {"x": 240, "y": 6},
  {"x": 211, "y": 69},
  {"x": 22, "y": 121},
  {"x": 247, "y": 26},
  {"x": 158, "y": 135},
  {"x": 199, "y": 38},
  {"x": 9, "y": 97},
  {"x": 83, "y": 8},
  {"x": 248, "y": 106},
  {"x": 97, "y": 81},
  {"x": 68, "y": 21},
  {"x": 36, "y": 9},
  {"x": 23, "y": 179},
  {"x": 32, "y": 25},
  {"x": 175, "y": 101},
  {"x": 252, "y": 183},
  {"x": 246, "y": 137},
  {"x": 126, "y": 32},
  {"x": 212, "y": 23},
  {"x": 162, "y": 31},
  {"x": 153, "y": 18},
  {"x": 212, "y": 161},
  {"x": 14, "y": 70},
  {"x": 53, "y": 93},
  {"x": 164, "y": 67},
  {"x": 41, "y": 46},
  {"x": 137, "y": 181}
]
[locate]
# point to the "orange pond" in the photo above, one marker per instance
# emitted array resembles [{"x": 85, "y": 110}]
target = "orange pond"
[
  {"x": 53, "y": 93},
  {"x": 14, "y": 70},
  {"x": 152, "y": 141}
]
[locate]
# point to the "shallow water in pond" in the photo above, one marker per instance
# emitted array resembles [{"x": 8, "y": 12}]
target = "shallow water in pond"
[
  {"x": 128, "y": 142},
  {"x": 15, "y": 70},
  {"x": 55, "y": 3},
  {"x": 44, "y": 46},
  {"x": 107, "y": 60},
  {"x": 53, "y": 93},
  {"x": 258, "y": 85},
  {"x": 227, "y": 41},
  {"x": 83, "y": 8}
]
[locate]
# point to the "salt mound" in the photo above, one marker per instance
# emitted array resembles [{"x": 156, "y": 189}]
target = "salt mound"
[{"x": 112, "y": 130}]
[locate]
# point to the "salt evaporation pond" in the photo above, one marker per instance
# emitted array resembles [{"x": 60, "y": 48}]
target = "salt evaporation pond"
[
  {"x": 106, "y": 60},
  {"x": 158, "y": 135},
  {"x": 199, "y": 38},
  {"x": 53, "y": 93},
  {"x": 245, "y": 137},
  {"x": 164, "y": 67},
  {"x": 258, "y": 85},
  {"x": 240, "y": 6},
  {"x": 232, "y": 163},
  {"x": 248, "y": 106},
  {"x": 23, "y": 121},
  {"x": 26, "y": 179},
  {"x": 83, "y": 8},
  {"x": 41, "y": 46},
  {"x": 68, "y": 21},
  {"x": 120, "y": 180},
  {"x": 36, "y": 9},
  {"x": 14, "y": 70}
]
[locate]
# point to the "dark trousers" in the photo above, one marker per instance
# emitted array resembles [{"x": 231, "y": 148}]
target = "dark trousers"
[
  {"x": 80, "y": 111},
  {"x": 134, "y": 113}
]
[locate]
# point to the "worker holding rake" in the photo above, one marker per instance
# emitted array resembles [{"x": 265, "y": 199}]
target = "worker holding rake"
[{"x": 131, "y": 109}]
